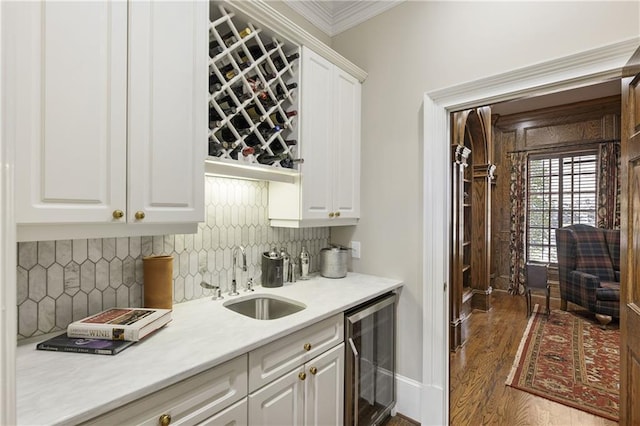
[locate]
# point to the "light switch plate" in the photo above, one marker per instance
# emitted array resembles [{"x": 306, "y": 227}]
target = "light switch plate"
[{"x": 355, "y": 249}]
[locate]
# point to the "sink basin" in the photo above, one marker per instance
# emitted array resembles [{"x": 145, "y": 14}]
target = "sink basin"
[{"x": 264, "y": 307}]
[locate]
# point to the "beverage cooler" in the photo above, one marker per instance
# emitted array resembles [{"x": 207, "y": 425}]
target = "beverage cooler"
[{"x": 370, "y": 392}]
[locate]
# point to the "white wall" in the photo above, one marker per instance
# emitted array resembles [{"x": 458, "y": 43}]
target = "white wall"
[{"x": 417, "y": 47}]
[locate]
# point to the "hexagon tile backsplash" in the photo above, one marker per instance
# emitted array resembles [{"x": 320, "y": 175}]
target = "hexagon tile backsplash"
[{"x": 66, "y": 280}]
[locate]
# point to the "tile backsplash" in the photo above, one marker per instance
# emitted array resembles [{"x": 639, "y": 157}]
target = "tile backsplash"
[{"x": 65, "y": 280}]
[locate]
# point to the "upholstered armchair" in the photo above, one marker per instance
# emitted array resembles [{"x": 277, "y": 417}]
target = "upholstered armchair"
[{"x": 589, "y": 269}]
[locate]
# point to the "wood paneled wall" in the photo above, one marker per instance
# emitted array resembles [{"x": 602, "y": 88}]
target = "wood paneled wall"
[{"x": 555, "y": 129}]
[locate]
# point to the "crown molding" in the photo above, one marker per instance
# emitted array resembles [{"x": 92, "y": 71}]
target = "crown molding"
[
  {"x": 259, "y": 11},
  {"x": 332, "y": 18}
]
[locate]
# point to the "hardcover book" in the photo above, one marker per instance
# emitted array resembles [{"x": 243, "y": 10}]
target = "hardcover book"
[
  {"x": 64, "y": 343},
  {"x": 130, "y": 324}
]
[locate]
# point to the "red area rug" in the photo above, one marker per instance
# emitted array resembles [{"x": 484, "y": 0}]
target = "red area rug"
[{"x": 569, "y": 360}]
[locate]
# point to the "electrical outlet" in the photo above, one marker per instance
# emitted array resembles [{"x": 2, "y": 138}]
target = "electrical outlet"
[{"x": 355, "y": 249}]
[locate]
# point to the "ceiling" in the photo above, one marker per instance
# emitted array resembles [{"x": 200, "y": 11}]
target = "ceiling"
[{"x": 335, "y": 16}]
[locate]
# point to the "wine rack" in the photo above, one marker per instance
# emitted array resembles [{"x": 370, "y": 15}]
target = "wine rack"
[{"x": 253, "y": 102}]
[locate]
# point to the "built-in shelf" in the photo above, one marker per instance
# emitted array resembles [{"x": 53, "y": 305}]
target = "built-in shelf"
[{"x": 234, "y": 169}]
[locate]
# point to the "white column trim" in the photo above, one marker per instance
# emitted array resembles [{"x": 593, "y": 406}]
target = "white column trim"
[
  {"x": 8, "y": 304},
  {"x": 577, "y": 70}
]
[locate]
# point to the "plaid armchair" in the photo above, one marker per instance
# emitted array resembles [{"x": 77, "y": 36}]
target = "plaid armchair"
[{"x": 589, "y": 269}]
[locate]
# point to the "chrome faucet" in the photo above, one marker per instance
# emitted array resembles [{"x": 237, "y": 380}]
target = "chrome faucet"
[{"x": 234, "y": 284}]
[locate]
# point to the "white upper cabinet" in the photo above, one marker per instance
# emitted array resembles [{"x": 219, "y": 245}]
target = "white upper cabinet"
[
  {"x": 168, "y": 88},
  {"x": 327, "y": 192},
  {"x": 110, "y": 116}
]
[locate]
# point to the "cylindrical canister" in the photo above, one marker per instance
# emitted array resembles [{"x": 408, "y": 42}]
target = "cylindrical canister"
[
  {"x": 158, "y": 282},
  {"x": 272, "y": 270}
]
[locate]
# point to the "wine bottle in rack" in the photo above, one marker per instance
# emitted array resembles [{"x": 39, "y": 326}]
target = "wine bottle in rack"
[
  {"x": 215, "y": 148},
  {"x": 215, "y": 49},
  {"x": 252, "y": 140},
  {"x": 280, "y": 64},
  {"x": 240, "y": 123},
  {"x": 266, "y": 131},
  {"x": 226, "y": 103},
  {"x": 229, "y": 38},
  {"x": 277, "y": 147},
  {"x": 277, "y": 118},
  {"x": 225, "y": 134},
  {"x": 252, "y": 150},
  {"x": 256, "y": 51},
  {"x": 235, "y": 151},
  {"x": 285, "y": 92},
  {"x": 253, "y": 111},
  {"x": 289, "y": 162}
]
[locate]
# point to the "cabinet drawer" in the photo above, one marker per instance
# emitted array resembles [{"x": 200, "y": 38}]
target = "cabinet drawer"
[
  {"x": 277, "y": 358},
  {"x": 236, "y": 415},
  {"x": 188, "y": 402}
]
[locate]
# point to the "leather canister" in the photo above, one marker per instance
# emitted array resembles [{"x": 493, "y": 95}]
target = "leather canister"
[
  {"x": 272, "y": 270},
  {"x": 158, "y": 281},
  {"x": 333, "y": 262}
]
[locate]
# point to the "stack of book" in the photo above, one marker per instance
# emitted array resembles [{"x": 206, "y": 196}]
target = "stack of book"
[{"x": 108, "y": 332}]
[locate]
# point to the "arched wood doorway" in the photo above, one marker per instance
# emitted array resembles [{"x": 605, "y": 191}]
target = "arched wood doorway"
[{"x": 471, "y": 177}]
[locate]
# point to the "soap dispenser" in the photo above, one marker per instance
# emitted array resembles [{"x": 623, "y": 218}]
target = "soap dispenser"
[
  {"x": 285, "y": 264},
  {"x": 305, "y": 260}
]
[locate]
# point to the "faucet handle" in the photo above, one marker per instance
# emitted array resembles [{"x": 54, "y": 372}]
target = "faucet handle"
[
  {"x": 249, "y": 285},
  {"x": 217, "y": 293}
]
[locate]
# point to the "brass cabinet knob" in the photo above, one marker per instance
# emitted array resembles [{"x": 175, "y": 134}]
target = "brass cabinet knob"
[
  {"x": 331, "y": 214},
  {"x": 337, "y": 214},
  {"x": 307, "y": 346},
  {"x": 165, "y": 420},
  {"x": 140, "y": 215},
  {"x": 118, "y": 214},
  {"x": 313, "y": 370},
  {"x": 302, "y": 376}
]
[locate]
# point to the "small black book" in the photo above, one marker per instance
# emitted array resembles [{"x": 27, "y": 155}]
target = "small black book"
[{"x": 64, "y": 343}]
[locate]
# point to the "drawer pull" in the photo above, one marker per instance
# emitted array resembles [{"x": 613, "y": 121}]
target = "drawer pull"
[
  {"x": 118, "y": 214},
  {"x": 331, "y": 214},
  {"x": 313, "y": 370},
  {"x": 140, "y": 215},
  {"x": 302, "y": 376},
  {"x": 307, "y": 347},
  {"x": 165, "y": 420},
  {"x": 337, "y": 214}
]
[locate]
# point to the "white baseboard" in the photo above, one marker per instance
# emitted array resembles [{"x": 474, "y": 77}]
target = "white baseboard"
[{"x": 408, "y": 394}]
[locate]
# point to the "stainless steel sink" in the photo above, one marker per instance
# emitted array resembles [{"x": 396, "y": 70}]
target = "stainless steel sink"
[{"x": 264, "y": 307}]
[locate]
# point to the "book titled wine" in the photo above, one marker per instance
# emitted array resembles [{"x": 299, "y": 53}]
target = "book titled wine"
[
  {"x": 64, "y": 343},
  {"x": 130, "y": 324}
]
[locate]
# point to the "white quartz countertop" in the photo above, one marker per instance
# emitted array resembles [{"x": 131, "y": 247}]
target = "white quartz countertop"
[{"x": 68, "y": 388}]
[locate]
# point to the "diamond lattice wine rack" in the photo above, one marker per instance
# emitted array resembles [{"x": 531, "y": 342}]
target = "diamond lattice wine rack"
[{"x": 253, "y": 94}]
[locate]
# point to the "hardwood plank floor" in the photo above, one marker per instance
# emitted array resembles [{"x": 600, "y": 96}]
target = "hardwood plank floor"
[{"x": 478, "y": 370}]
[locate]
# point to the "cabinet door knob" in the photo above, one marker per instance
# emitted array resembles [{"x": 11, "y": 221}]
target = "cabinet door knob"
[
  {"x": 337, "y": 214},
  {"x": 140, "y": 215},
  {"x": 313, "y": 370},
  {"x": 331, "y": 214},
  {"x": 302, "y": 376},
  {"x": 165, "y": 420},
  {"x": 307, "y": 347},
  {"x": 118, "y": 214}
]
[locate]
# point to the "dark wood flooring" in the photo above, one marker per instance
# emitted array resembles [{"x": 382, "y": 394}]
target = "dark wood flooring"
[{"x": 478, "y": 370}]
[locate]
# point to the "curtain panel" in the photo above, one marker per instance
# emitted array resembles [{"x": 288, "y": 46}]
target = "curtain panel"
[
  {"x": 608, "y": 181},
  {"x": 518, "y": 195}
]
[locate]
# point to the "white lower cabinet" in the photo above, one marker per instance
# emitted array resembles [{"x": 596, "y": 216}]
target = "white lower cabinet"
[
  {"x": 198, "y": 399},
  {"x": 312, "y": 394},
  {"x": 299, "y": 379}
]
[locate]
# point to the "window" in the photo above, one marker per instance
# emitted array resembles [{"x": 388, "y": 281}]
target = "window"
[{"x": 561, "y": 192}]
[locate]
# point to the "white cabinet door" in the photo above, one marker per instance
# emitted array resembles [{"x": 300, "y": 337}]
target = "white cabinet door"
[
  {"x": 67, "y": 85},
  {"x": 168, "y": 91},
  {"x": 328, "y": 190},
  {"x": 279, "y": 403},
  {"x": 346, "y": 143},
  {"x": 316, "y": 121},
  {"x": 324, "y": 389}
]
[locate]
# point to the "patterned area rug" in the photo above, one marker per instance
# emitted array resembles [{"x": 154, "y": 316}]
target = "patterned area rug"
[{"x": 569, "y": 360}]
